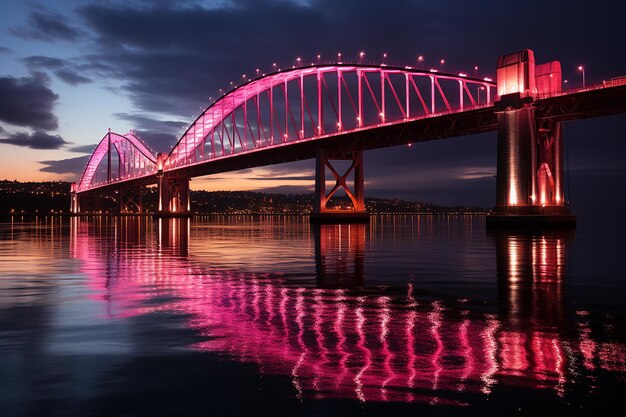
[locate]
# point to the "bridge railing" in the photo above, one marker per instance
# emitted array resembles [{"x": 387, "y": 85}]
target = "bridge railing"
[{"x": 615, "y": 82}]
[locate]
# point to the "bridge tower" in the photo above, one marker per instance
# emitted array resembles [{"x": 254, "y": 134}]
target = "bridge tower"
[
  {"x": 173, "y": 195},
  {"x": 529, "y": 186}
]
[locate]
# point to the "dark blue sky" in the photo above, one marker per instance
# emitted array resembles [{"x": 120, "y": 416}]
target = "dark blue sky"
[{"x": 71, "y": 69}]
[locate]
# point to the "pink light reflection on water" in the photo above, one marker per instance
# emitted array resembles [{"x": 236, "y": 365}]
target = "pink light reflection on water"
[{"x": 333, "y": 344}]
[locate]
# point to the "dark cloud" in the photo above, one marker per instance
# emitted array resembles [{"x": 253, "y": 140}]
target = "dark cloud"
[
  {"x": 66, "y": 166},
  {"x": 82, "y": 149},
  {"x": 37, "y": 62},
  {"x": 47, "y": 26},
  {"x": 35, "y": 140},
  {"x": 157, "y": 141},
  {"x": 4, "y": 50},
  {"x": 71, "y": 77},
  {"x": 63, "y": 69},
  {"x": 144, "y": 122},
  {"x": 28, "y": 101},
  {"x": 159, "y": 135}
]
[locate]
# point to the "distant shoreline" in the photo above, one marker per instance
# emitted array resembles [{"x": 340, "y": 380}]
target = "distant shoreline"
[{"x": 53, "y": 198}]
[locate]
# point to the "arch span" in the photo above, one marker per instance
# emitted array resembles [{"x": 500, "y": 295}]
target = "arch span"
[
  {"x": 134, "y": 159},
  {"x": 316, "y": 101}
]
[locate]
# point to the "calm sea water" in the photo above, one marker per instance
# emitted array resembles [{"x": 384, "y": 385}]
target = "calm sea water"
[{"x": 428, "y": 315}]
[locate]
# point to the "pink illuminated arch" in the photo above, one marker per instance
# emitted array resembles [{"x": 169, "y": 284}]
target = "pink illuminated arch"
[
  {"x": 133, "y": 156},
  {"x": 311, "y": 102}
]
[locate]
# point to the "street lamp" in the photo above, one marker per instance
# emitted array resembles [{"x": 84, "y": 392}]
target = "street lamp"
[
  {"x": 298, "y": 59},
  {"x": 420, "y": 60},
  {"x": 479, "y": 89},
  {"x": 319, "y": 57},
  {"x": 339, "y": 57},
  {"x": 442, "y": 63},
  {"x": 582, "y": 70},
  {"x": 385, "y": 58},
  {"x": 475, "y": 71},
  {"x": 361, "y": 55}
]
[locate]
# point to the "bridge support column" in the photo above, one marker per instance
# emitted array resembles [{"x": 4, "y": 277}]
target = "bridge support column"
[
  {"x": 529, "y": 187},
  {"x": 174, "y": 198},
  {"x": 131, "y": 201},
  {"x": 74, "y": 200},
  {"x": 321, "y": 212}
]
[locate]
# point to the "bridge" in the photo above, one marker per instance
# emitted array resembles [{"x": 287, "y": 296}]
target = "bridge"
[{"x": 336, "y": 112}]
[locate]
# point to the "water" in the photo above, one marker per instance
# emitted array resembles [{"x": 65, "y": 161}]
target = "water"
[{"x": 269, "y": 316}]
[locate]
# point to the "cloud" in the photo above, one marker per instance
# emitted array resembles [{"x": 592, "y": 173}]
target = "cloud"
[
  {"x": 28, "y": 101},
  {"x": 71, "y": 77},
  {"x": 82, "y": 149},
  {"x": 35, "y": 140},
  {"x": 143, "y": 122},
  {"x": 4, "y": 50},
  {"x": 37, "y": 62},
  {"x": 65, "y": 70},
  {"x": 474, "y": 173},
  {"x": 156, "y": 141},
  {"x": 66, "y": 166},
  {"x": 160, "y": 135},
  {"x": 47, "y": 26}
]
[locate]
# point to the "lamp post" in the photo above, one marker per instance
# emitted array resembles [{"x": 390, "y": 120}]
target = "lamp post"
[
  {"x": 442, "y": 64},
  {"x": 582, "y": 70},
  {"x": 420, "y": 60},
  {"x": 361, "y": 55},
  {"x": 385, "y": 59}
]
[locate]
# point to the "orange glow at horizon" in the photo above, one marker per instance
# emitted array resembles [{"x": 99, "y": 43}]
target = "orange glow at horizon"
[
  {"x": 253, "y": 180},
  {"x": 25, "y": 165}
]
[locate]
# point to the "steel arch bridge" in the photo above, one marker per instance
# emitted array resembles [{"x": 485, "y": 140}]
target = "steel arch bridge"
[{"x": 335, "y": 112}]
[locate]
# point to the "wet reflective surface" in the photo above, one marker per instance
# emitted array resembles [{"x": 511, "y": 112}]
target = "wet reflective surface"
[{"x": 270, "y": 316}]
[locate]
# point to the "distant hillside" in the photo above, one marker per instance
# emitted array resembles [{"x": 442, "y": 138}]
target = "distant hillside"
[{"x": 53, "y": 196}]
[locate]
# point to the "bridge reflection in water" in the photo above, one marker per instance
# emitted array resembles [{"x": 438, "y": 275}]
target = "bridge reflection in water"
[{"x": 341, "y": 339}]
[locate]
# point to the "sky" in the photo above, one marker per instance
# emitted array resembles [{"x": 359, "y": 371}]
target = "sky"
[{"x": 69, "y": 70}]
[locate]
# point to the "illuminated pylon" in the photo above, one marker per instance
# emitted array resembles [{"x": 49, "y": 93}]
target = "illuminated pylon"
[{"x": 356, "y": 194}]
